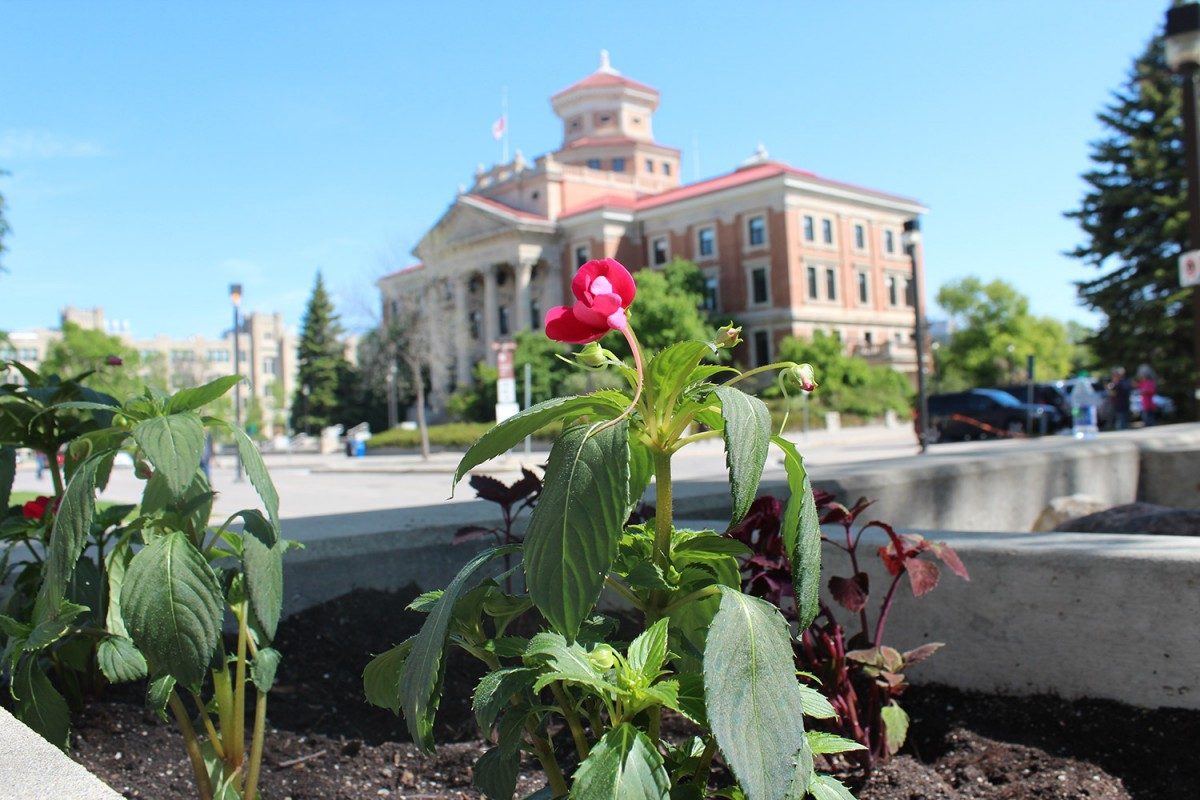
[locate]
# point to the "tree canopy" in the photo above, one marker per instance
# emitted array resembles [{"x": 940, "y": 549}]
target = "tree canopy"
[
  {"x": 81, "y": 350},
  {"x": 668, "y": 308},
  {"x": 1134, "y": 221},
  {"x": 848, "y": 384},
  {"x": 321, "y": 364},
  {"x": 993, "y": 333}
]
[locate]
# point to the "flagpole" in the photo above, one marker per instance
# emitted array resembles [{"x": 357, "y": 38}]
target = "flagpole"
[{"x": 504, "y": 117}]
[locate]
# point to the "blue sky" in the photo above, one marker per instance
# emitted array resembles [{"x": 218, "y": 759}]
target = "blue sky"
[{"x": 159, "y": 151}]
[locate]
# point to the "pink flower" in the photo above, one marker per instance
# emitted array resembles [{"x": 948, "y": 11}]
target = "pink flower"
[{"x": 603, "y": 289}]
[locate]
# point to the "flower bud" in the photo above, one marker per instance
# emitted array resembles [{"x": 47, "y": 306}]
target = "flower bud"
[
  {"x": 729, "y": 336},
  {"x": 603, "y": 657},
  {"x": 593, "y": 356},
  {"x": 114, "y": 361},
  {"x": 803, "y": 374}
]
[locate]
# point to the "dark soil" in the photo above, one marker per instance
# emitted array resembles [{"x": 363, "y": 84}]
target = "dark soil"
[{"x": 325, "y": 742}]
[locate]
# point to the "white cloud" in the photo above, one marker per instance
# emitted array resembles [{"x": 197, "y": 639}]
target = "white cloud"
[{"x": 15, "y": 145}]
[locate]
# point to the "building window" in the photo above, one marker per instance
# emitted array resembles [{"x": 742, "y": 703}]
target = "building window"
[
  {"x": 660, "y": 252},
  {"x": 827, "y": 231},
  {"x": 503, "y": 315},
  {"x": 582, "y": 254},
  {"x": 893, "y": 297},
  {"x": 710, "y": 294},
  {"x": 27, "y": 354},
  {"x": 618, "y": 165},
  {"x": 860, "y": 237},
  {"x": 268, "y": 365},
  {"x": 910, "y": 293},
  {"x": 593, "y": 163},
  {"x": 809, "y": 231},
  {"x": 889, "y": 241},
  {"x": 217, "y": 356},
  {"x": 762, "y": 348},
  {"x": 757, "y": 230},
  {"x": 813, "y": 289},
  {"x": 535, "y": 313},
  {"x": 649, "y": 165},
  {"x": 863, "y": 294},
  {"x": 666, "y": 168},
  {"x": 831, "y": 284},
  {"x": 868, "y": 339},
  {"x": 473, "y": 324},
  {"x": 706, "y": 242},
  {"x": 759, "y": 291}
]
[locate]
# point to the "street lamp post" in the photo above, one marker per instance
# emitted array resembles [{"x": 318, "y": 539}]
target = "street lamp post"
[
  {"x": 911, "y": 238},
  {"x": 235, "y": 296},
  {"x": 1183, "y": 57}
]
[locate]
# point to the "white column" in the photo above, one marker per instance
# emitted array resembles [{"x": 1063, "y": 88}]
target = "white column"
[
  {"x": 491, "y": 313},
  {"x": 524, "y": 274},
  {"x": 462, "y": 333}
]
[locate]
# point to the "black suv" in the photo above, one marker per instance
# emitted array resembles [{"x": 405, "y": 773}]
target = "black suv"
[
  {"x": 986, "y": 414},
  {"x": 1046, "y": 394}
]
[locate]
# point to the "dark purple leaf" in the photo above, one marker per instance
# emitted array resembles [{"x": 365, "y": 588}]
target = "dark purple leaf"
[
  {"x": 851, "y": 593},
  {"x": 950, "y": 558},
  {"x": 923, "y": 575},
  {"x": 490, "y": 489},
  {"x": 919, "y": 654}
]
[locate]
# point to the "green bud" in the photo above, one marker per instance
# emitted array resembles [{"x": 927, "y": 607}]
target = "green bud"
[
  {"x": 729, "y": 336},
  {"x": 593, "y": 356},
  {"x": 603, "y": 657},
  {"x": 804, "y": 375}
]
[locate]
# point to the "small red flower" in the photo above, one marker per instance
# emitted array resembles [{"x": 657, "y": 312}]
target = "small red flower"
[
  {"x": 113, "y": 361},
  {"x": 603, "y": 289},
  {"x": 36, "y": 508}
]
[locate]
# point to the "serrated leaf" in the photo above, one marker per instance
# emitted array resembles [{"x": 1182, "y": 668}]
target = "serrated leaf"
[
  {"x": 381, "y": 678},
  {"x": 641, "y": 468},
  {"x": 72, "y": 526},
  {"x": 507, "y": 434},
  {"x": 802, "y": 773},
  {"x": 8, "y": 473},
  {"x": 648, "y": 651},
  {"x": 256, "y": 468},
  {"x": 195, "y": 397},
  {"x": 816, "y": 705},
  {"x": 424, "y": 603},
  {"x": 690, "y": 697},
  {"x": 13, "y": 628},
  {"x": 158, "y": 692},
  {"x": 572, "y": 536},
  {"x": 120, "y": 660},
  {"x": 564, "y": 661},
  {"x": 624, "y": 765},
  {"x": 173, "y": 607},
  {"x": 39, "y": 705},
  {"x": 50, "y": 631},
  {"x": 420, "y": 676},
  {"x": 263, "y": 667},
  {"x": 262, "y": 560},
  {"x": 747, "y": 430},
  {"x": 496, "y": 770},
  {"x": 495, "y": 690},
  {"x": 668, "y": 372},
  {"x": 801, "y": 530},
  {"x": 895, "y": 726},
  {"x": 824, "y": 743},
  {"x": 116, "y": 562},
  {"x": 755, "y": 705},
  {"x": 827, "y": 787},
  {"x": 174, "y": 445},
  {"x": 712, "y": 545}
]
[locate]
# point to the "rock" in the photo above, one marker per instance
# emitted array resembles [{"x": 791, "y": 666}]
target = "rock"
[
  {"x": 1064, "y": 508},
  {"x": 1137, "y": 518}
]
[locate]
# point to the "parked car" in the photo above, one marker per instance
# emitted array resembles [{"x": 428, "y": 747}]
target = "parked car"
[
  {"x": 986, "y": 414},
  {"x": 1048, "y": 394}
]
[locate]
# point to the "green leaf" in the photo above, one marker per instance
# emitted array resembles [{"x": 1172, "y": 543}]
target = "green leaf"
[
  {"x": 39, "y": 705},
  {"x": 507, "y": 434},
  {"x": 496, "y": 770},
  {"x": 262, "y": 559},
  {"x": 420, "y": 677},
  {"x": 564, "y": 662},
  {"x": 158, "y": 692},
  {"x": 827, "y": 787},
  {"x": 668, "y": 372},
  {"x": 120, "y": 660},
  {"x": 194, "y": 398},
  {"x": 714, "y": 545},
  {"x": 648, "y": 651},
  {"x": 572, "y": 536},
  {"x": 256, "y": 468},
  {"x": 424, "y": 602},
  {"x": 641, "y": 468},
  {"x": 690, "y": 697},
  {"x": 624, "y": 765},
  {"x": 802, "y": 773},
  {"x": 173, "y": 606},
  {"x": 747, "y": 432},
  {"x": 895, "y": 726},
  {"x": 14, "y": 629},
  {"x": 755, "y": 706},
  {"x": 174, "y": 445},
  {"x": 381, "y": 678},
  {"x": 8, "y": 473},
  {"x": 116, "y": 562},
  {"x": 824, "y": 743},
  {"x": 46, "y": 633},
  {"x": 72, "y": 526},
  {"x": 496, "y": 689},
  {"x": 816, "y": 705},
  {"x": 801, "y": 529},
  {"x": 262, "y": 668}
]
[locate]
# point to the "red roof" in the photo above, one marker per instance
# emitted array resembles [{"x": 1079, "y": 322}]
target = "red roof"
[
  {"x": 601, "y": 79},
  {"x": 409, "y": 268},
  {"x": 505, "y": 209}
]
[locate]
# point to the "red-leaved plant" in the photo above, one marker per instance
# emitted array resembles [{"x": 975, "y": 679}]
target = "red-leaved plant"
[{"x": 862, "y": 676}]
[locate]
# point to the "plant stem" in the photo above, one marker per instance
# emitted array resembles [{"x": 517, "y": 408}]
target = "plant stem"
[
  {"x": 624, "y": 591},
  {"x": 208, "y": 726},
  {"x": 707, "y": 591},
  {"x": 572, "y": 717},
  {"x": 554, "y": 776},
  {"x": 695, "y": 437},
  {"x": 55, "y": 473},
  {"x": 852, "y": 550},
  {"x": 705, "y": 764},
  {"x": 256, "y": 745},
  {"x": 224, "y": 694},
  {"x": 884, "y": 609},
  {"x": 662, "y": 509},
  {"x": 237, "y": 747},
  {"x": 199, "y": 771},
  {"x": 767, "y": 368}
]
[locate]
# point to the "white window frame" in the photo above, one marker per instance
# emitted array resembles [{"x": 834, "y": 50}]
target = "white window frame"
[
  {"x": 866, "y": 237},
  {"x": 766, "y": 242},
  {"x": 765, "y": 266},
  {"x": 715, "y": 254},
  {"x": 666, "y": 239},
  {"x": 808, "y": 221},
  {"x": 832, "y": 232}
]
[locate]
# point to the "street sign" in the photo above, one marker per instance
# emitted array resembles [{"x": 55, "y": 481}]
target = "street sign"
[
  {"x": 506, "y": 390},
  {"x": 506, "y": 383},
  {"x": 1189, "y": 268},
  {"x": 506, "y": 410}
]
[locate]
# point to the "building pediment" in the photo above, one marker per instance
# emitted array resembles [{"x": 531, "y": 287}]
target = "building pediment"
[{"x": 473, "y": 220}]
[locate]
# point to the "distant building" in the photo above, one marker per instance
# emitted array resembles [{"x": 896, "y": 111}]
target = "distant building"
[{"x": 784, "y": 251}]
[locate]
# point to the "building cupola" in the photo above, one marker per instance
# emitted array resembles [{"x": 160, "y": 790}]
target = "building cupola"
[{"x": 606, "y": 105}]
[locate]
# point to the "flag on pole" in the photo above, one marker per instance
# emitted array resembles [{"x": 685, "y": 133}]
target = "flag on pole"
[{"x": 498, "y": 128}]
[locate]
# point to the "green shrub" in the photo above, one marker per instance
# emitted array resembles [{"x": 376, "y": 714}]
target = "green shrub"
[{"x": 451, "y": 434}]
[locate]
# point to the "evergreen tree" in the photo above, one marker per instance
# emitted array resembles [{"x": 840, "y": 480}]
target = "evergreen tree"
[
  {"x": 321, "y": 364},
  {"x": 1134, "y": 217}
]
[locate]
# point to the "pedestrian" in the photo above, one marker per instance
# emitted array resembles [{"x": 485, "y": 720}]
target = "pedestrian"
[
  {"x": 42, "y": 464},
  {"x": 1119, "y": 390},
  {"x": 206, "y": 457},
  {"x": 1147, "y": 387}
]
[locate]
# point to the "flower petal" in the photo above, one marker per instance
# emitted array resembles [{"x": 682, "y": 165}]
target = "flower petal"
[
  {"x": 621, "y": 280},
  {"x": 584, "y": 277},
  {"x": 564, "y": 326}
]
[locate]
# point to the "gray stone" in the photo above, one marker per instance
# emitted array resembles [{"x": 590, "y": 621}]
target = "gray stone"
[
  {"x": 1062, "y": 509},
  {"x": 33, "y": 769},
  {"x": 1137, "y": 518}
]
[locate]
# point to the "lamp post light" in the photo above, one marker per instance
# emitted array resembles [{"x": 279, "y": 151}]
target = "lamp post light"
[
  {"x": 1183, "y": 57},
  {"x": 911, "y": 239},
  {"x": 235, "y": 297}
]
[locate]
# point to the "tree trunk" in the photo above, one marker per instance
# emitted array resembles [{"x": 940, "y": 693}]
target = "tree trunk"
[{"x": 422, "y": 426}]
